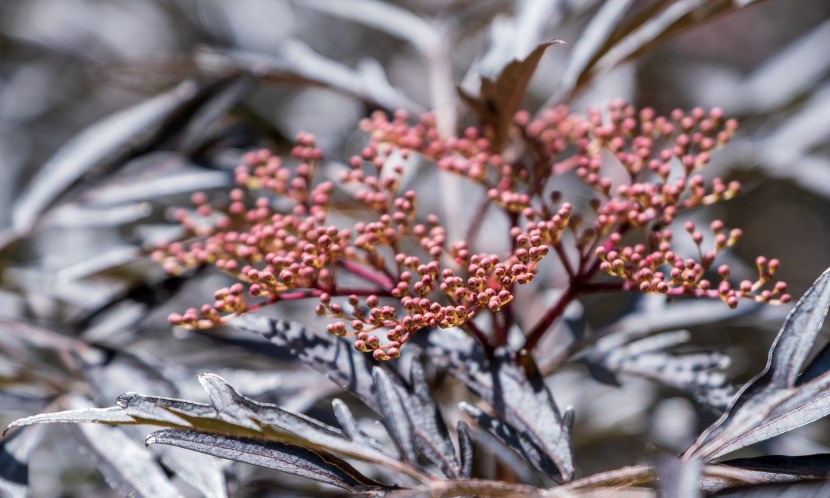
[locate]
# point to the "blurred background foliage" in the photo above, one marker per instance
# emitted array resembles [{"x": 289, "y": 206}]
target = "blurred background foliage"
[{"x": 263, "y": 70}]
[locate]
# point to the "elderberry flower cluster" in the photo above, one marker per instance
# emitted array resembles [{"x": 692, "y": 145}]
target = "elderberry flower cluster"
[{"x": 276, "y": 235}]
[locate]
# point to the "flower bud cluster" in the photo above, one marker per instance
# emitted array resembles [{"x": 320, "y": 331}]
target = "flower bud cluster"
[
  {"x": 657, "y": 268},
  {"x": 275, "y": 235},
  {"x": 660, "y": 157}
]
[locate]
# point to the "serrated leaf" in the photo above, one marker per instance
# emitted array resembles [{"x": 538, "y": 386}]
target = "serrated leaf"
[
  {"x": 773, "y": 403},
  {"x": 231, "y": 414},
  {"x": 699, "y": 374},
  {"x": 283, "y": 457},
  {"x": 521, "y": 400},
  {"x": 100, "y": 143},
  {"x": 511, "y": 439},
  {"x": 500, "y": 98},
  {"x": 431, "y": 435},
  {"x": 351, "y": 429},
  {"x": 128, "y": 466},
  {"x": 394, "y": 414},
  {"x": 235, "y": 408},
  {"x": 117, "y": 371},
  {"x": 329, "y": 355}
]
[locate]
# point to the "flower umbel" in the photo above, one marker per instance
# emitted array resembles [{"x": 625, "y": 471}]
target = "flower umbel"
[{"x": 281, "y": 231}]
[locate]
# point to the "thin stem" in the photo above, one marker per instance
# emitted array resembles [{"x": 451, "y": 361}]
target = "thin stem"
[
  {"x": 382, "y": 281},
  {"x": 477, "y": 222},
  {"x": 507, "y": 324},
  {"x": 626, "y": 476},
  {"x": 468, "y": 487},
  {"x": 472, "y": 329},
  {"x": 536, "y": 333},
  {"x": 566, "y": 262}
]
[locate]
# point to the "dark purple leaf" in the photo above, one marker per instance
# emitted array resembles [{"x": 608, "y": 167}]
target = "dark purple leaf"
[
  {"x": 112, "y": 372},
  {"x": 226, "y": 95},
  {"x": 773, "y": 403},
  {"x": 351, "y": 429},
  {"x": 295, "y": 428},
  {"x": 500, "y": 98},
  {"x": 332, "y": 356},
  {"x": 283, "y": 457},
  {"x": 590, "y": 42},
  {"x": 465, "y": 450},
  {"x": 129, "y": 467},
  {"x": 394, "y": 414},
  {"x": 511, "y": 439},
  {"x": 807, "y": 466},
  {"x": 296, "y": 62},
  {"x": 14, "y": 462},
  {"x": 521, "y": 400},
  {"x": 699, "y": 374},
  {"x": 101, "y": 143},
  {"x": 431, "y": 435},
  {"x": 152, "y": 176},
  {"x": 818, "y": 489}
]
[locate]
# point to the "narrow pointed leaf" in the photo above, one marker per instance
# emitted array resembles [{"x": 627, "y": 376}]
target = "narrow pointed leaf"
[
  {"x": 512, "y": 440},
  {"x": 332, "y": 356},
  {"x": 772, "y": 403},
  {"x": 15, "y": 452},
  {"x": 699, "y": 374},
  {"x": 283, "y": 457},
  {"x": 351, "y": 429},
  {"x": 394, "y": 414},
  {"x": 128, "y": 466},
  {"x": 296, "y": 62},
  {"x": 98, "y": 144},
  {"x": 431, "y": 435},
  {"x": 113, "y": 415},
  {"x": 591, "y": 41},
  {"x": 765, "y": 470},
  {"x": 465, "y": 450},
  {"x": 521, "y": 400},
  {"x": 796, "y": 338},
  {"x": 227, "y": 94}
]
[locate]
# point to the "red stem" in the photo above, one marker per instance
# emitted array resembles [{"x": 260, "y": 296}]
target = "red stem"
[
  {"x": 382, "y": 281},
  {"x": 480, "y": 336},
  {"x": 536, "y": 333}
]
